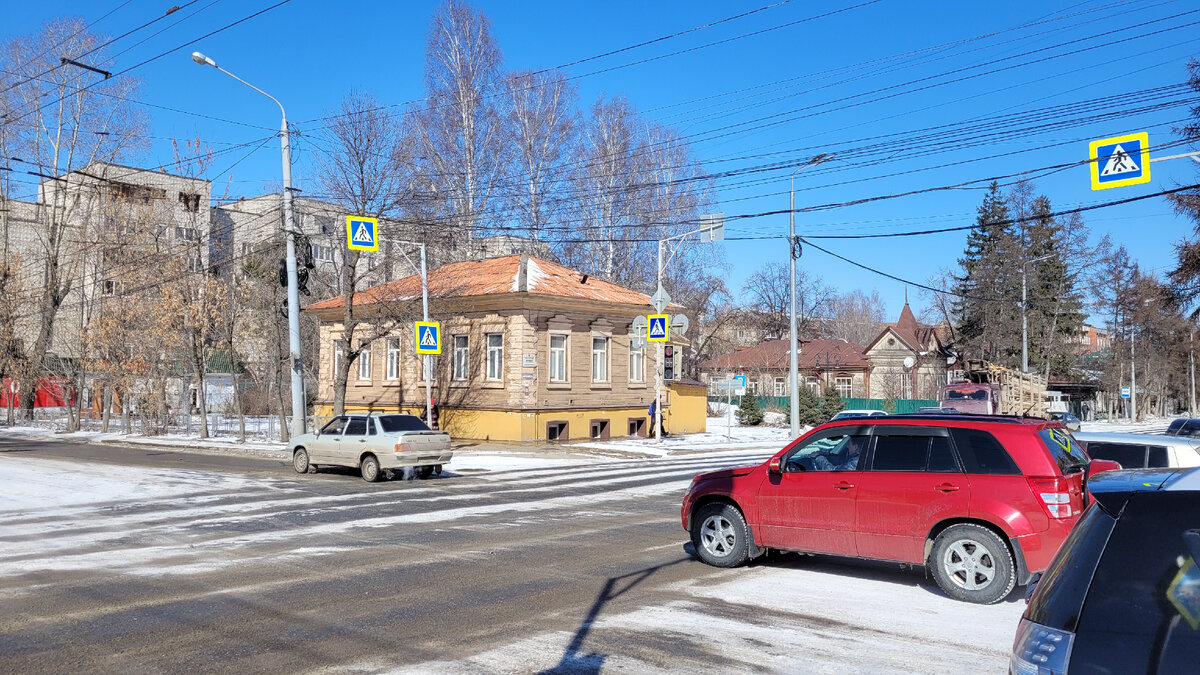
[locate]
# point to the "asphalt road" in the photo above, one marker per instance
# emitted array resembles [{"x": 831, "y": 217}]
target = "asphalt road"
[{"x": 277, "y": 572}]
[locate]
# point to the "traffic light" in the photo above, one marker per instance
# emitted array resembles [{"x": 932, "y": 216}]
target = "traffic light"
[{"x": 669, "y": 362}]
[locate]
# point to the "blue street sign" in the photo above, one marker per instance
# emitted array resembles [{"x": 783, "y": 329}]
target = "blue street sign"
[
  {"x": 1124, "y": 392},
  {"x": 429, "y": 337},
  {"x": 657, "y": 330},
  {"x": 362, "y": 233},
  {"x": 1120, "y": 161}
]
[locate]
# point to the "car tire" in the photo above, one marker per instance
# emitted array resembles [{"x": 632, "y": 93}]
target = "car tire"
[
  {"x": 426, "y": 472},
  {"x": 300, "y": 461},
  {"x": 971, "y": 563},
  {"x": 719, "y": 535},
  {"x": 370, "y": 469}
]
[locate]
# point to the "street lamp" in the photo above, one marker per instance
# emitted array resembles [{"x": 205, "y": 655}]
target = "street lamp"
[
  {"x": 794, "y": 253},
  {"x": 299, "y": 408},
  {"x": 1024, "y": 313}
]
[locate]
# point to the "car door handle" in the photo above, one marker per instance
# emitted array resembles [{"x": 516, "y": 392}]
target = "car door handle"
[
  {"x": 843, "y": 485},
  {"x": 363, "y": 440},
  {"x": 946, "y": 487}
]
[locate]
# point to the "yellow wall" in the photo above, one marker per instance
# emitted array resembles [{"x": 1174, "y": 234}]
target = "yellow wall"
[{"x": 686, "y": 414}]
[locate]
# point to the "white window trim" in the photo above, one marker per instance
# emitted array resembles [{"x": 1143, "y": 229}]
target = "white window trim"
[
  {"x": 393, "y": 358},
  {"x": 364, "y": 361},
  {"x": 488, "y": 360},
  {"x": 566, "y": 358},
  {"x": 640, "y": 355},
  {"x": 339, "y": 353},
  {"x": 463, "y": 375},
  {"x": 603, "y": 354},
  {"x": 849, "y": 387}
]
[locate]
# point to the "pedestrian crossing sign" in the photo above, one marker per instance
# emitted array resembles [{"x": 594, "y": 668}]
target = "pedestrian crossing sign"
[
  {"x": 362, "y": 233},
  {"x": 658, "y": 327},
  {"x": 1120, "y": 161},
  {"x": 429, "y": 337}
]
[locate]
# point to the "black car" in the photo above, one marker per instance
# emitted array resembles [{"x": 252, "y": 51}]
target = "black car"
[
  {"x": 1123, "y": 593},
  {"x": 1184, "y": 427}
]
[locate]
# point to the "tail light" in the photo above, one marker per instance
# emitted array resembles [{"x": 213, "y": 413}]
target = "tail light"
[
  {"x": 1040, "y": 650},
  {"x": 1057, "y": 496},
  {"x": 400, "y": 447}
]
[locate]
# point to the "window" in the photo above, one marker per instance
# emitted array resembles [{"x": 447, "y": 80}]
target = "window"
[
  {"x": 845, "y": 386},
  {"x": 110, "y": 287},
  {"x": 393, "y": 358},
  {"x": 320, "y": 252},
  {"x": 364, "y": 360},
  {"x": 1127, "y": 455},
  {"x": 393, "y": 423},
  {"x": 906, "y": 385},
  {"x": 461, "y": 361},
  {"x": 836, "y": 450},
  {"x": 495, "y": 357},
  {"x": 982, "y": 453},
  {"x": 339, "y": 354},
  {"x": 334, "y": 426},
  {"x": 558, "y": 358},
  {"x": 556, "y": 431},
  {"x": 814, "y": 385},
  {"x": 187, "y": 233},
  {"x": 914, "y": 450},
  {"x": 357, "y": 426},
  {"x": 637, "y": 365},
  {"x": 190, "y": 201},
  {"x": 599, "y": 359},
  {"x": 781, "y": 386}
]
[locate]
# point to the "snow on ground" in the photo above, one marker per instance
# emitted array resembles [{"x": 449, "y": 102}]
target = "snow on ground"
[
  {"x": 723, "y": 434},
  {"x": 1149, "y": 425},
  {"x": 181, "y": 441}
]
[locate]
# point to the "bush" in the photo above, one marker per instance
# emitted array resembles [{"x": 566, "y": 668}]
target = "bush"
[
  {"x": 831, "y": 404},
  {"x": 748, "y": 412}
]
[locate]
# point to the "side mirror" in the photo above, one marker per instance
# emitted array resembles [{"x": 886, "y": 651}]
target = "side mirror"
[
  {"x": 773, "y": 466},
  {"x": 1099, "y": 465}
]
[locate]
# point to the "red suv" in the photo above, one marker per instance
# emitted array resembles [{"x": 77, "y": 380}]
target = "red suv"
[{"x": 982, "y": 501}]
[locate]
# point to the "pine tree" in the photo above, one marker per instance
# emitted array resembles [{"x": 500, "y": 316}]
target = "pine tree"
[
  {"x": 748, "y": 412},
  {"x": 809, "y": 407},
  {"x": 987, "y": 319},
  {"x": 831, "y": 404}
]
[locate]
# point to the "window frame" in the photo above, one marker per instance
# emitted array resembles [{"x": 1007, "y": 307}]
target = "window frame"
[
  {"x": 364, "y": 361},
  {"x": 392, "y": 370},
  {"x": 339, "y": 355},
  {"x": 602, "y": 353},
  {"x": 637, "y": 356},
  {"x": 564, "y": 362},
  {"x": 460, "y": 354},
  {"x": 848, "y": 390},
  {"x": 497, "y": 350}
]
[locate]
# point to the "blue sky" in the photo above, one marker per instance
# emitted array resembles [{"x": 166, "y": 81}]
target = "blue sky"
[{"x": 793, "y": 91}]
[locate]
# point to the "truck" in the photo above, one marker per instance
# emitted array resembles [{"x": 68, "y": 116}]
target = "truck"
[{"x": 990, "y": 389}]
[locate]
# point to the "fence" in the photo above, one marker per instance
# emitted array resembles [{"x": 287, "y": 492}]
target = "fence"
[
  {"x": 903, "y": 405},
  {"x": 259, "y": 428}
]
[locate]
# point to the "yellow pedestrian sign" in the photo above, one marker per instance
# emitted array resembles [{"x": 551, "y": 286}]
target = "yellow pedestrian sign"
[
  {"x": 362, "y": 233},
  {"x": 429, "y": 337},
  {"x": 1120, "y": 161},
  {"x": 658, "y": 329}
]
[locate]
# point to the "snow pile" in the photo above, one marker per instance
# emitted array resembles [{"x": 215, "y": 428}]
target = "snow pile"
[
  {"x": 724, "y": 434},
  {"x": 1149, "y": 425},
  {"x": 182, "y": 441}
]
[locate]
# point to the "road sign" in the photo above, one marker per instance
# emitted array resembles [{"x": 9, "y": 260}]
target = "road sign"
[
  {"x": 658, "y": 331},
  {"x": 1120, "y": 161},
  {"x": 639, "y": 323},
  {"x": 660, "y": 299},
  {"x": 362, "y": 233},
  {"x": 1124, "y": 392},
  {"x": 679, "y": 323},
  {"x": 726, "y": 385},
  {"x": 637, "y": 342},
  {"x": 712, "y": 227},
  {"x": 429, "y": 337}
]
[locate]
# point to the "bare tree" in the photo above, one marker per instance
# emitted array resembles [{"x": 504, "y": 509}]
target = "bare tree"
[
  {"x": 459, "y": 132},
  {"x": 855, "y": 317},
  {"x": 367, "y": 172},
  {"x": 542, "y": 124},
  {"x": 768, "y": 292},
  {"x": 61, "y": 120}
]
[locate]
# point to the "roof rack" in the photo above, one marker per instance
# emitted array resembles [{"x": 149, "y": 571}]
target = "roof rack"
[{"x": 1003, "y": 419}]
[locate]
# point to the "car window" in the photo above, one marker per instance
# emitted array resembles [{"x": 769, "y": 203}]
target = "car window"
[
  {"x": 982, "y": 453},
  {"x": 839, "y": 451},
  {"x": 1127, "y": 455},
  {"x": 1156, "y": 458},
  {"x": 1063, "y": 587},
  {"x": 395, "y": 423},
  {"x": 1176, "y": 425},
  {"x": 1066, "y": 451},
  {"x": 334, "y": 426},
  {"x": 941, "y": 456},
  {"x": 357, "y": 426},
  {"x": 900, "y": 453},
  {"x": 1143, "y": 598},
  {"x": 1190, "y": 428}
]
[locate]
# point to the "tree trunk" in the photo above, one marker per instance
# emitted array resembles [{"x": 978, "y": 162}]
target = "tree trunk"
[{"x": 106, "y": 408}]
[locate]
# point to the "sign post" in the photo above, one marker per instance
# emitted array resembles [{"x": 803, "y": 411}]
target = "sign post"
[{"x": 729, "y": 386}]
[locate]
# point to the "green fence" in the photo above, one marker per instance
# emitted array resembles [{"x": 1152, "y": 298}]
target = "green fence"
[{"x": 903, "y": 405}]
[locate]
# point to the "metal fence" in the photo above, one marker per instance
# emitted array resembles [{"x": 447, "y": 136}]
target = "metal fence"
[
  {"x": 258, "y": 428},
  {"x": 902, "y": 405}
]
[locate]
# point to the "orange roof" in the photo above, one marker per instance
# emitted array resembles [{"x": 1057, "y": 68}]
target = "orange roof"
[
  {"x": 774, "y": 355},
  {"x": 492, "y": 276}
]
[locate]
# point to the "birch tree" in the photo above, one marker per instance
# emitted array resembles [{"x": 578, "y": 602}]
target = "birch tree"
[{"x": 542, "y": 124}]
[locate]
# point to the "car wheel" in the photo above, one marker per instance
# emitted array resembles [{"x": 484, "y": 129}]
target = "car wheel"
[
  {"x": 969, "y": 562},
  {"x": 300, "y": 461},
  {"x": 719, "y": 535},
  {"x": 424, "y": 472},
  {"x": 370, "y": 469}
]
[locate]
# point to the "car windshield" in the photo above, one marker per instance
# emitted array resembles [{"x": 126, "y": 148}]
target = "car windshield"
[
  {"x": 848, "y": 415},
  {"x": 967, "y": 394},
  {"x": 1065, "y": 449},
  {"x": 394, "y": 423}
]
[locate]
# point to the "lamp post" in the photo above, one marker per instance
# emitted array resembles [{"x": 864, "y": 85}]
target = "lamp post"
[
  {"x": 1025, "y": 313},
  {"x": 299, "y": 409},
  {"x": 794, "y": 253}
]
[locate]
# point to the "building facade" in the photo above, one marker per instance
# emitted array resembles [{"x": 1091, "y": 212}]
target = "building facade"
[
  {"x": 531, "y": 351},
  {"x": 822, "y": 363},
  {"x": 908, "y": 360}
]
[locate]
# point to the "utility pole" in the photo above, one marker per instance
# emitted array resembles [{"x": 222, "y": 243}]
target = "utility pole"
[
  {"x": 1132, "y": 381},
  {"x": 427, "y": 359},
  {"x": 299, "y": 405},
  {"x": 659, "y": 369},
  {"x": 1025, "y": 312},
  {"x": 794, "y": 253},
  {"x": 1192, "y": 365}
]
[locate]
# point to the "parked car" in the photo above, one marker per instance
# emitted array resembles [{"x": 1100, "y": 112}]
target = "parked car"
[
  {"x": 850, "y": 414},
  {"x": 1184, "y": 427},
  {"x": 1123, "y": 593},
  {"x": 983, "y": 501},
  {"x": 1141, "y": 451},
  {"x": 1069, "y": 420},
  {"x": 375, "y": 444}
]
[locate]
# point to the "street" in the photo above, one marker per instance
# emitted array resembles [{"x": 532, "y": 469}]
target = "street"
[{"x": 144, "y": 560}]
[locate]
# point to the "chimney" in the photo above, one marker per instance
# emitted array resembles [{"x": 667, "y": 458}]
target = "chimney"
[{"x": 523, "y": 274}]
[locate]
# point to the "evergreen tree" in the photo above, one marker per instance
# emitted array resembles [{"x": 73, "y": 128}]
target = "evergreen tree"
[
  {"x": 809, "y": 407},
  {"x": 987, "y": 319},
  {"x": 831, "y": 404},
  {"x": 748, "y": 412},
  {"x": 1055, "y": 305}
]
